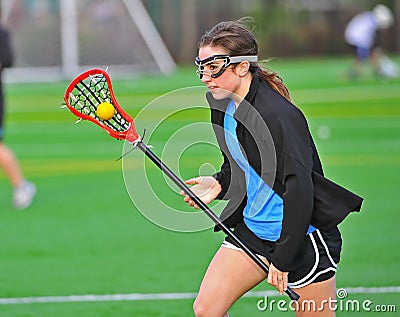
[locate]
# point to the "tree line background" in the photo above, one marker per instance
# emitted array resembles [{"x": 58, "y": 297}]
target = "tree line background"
[{"x": 283, "y": 27}]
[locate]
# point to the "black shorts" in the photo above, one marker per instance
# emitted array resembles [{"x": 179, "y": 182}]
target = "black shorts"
[
  {"x": 1, "y": 117},
  {"x": 1, "y": 113},
  {"x": 317, "y": 263}
]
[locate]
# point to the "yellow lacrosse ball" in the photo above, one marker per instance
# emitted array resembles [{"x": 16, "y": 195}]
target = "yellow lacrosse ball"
[{"x": 105, "y": 111}]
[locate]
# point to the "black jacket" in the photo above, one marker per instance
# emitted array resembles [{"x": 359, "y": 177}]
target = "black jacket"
[
  {"x": 6, "y": 59},
  {"x": 275, "y": 139},
  {"x": 6, "y": 56}
]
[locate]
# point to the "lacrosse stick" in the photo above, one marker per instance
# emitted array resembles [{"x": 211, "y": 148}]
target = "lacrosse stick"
[{"x": 93, "y": 88}]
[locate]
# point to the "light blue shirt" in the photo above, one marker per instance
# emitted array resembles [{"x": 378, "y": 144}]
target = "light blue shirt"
[{"x": 263, "y": 213}]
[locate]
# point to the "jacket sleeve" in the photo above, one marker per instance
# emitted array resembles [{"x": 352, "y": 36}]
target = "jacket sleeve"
[
  {"x": 298, "y": 195},
  {"x": 223, "y": 177},
  {"x": 217, "y": 108},
  {"x": 6, "y": 54},
  {"x": 298, "y": 205}
]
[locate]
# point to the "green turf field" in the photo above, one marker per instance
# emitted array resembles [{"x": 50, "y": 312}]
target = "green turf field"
[{"x": 83, "y": 236}]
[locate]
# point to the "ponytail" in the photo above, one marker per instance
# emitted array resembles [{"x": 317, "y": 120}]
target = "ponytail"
[{"x": 274, "y": 81}]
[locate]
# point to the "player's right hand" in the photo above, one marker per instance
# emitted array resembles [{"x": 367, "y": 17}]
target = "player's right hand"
[{"x": 206, "y": 188}]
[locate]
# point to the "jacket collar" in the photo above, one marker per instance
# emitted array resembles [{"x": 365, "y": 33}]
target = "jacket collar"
[{"x": 248, "y": 101}]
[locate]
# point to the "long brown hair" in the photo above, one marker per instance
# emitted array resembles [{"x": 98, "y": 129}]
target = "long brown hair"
[{"x": 236, "y": 38}]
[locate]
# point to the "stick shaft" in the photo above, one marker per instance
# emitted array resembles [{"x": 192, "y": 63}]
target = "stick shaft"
[{"x": 181, "y": 184}]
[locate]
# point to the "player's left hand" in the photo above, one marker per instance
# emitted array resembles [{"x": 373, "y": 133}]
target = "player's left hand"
[{"x": 278, "y": 279}]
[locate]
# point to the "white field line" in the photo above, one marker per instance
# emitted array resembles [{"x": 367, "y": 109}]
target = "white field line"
[{"x": 168, "y": 296}]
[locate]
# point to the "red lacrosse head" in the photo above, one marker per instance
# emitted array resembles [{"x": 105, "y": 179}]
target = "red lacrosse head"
[{"x": 92, "y": 88}]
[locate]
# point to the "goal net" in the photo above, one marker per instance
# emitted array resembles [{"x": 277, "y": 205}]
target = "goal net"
[{"x": 57, "y": 39}]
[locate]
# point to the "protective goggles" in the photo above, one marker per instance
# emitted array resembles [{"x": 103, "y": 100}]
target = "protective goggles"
[{"x": 215, "y": 65}]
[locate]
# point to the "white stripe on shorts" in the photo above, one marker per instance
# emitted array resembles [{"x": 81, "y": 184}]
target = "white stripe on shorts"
[
  {"x": 326, "y": 248},
  {"x": 307, "y": 280},
  {"x": 227, "y": 244}
]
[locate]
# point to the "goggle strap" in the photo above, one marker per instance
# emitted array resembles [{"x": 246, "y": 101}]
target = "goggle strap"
[
  {"x": 238, "y": 59},
  {"x": 228, "y": 59}
]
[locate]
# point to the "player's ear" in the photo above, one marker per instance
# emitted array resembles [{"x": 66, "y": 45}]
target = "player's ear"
[{"x": 243, "y": 68}]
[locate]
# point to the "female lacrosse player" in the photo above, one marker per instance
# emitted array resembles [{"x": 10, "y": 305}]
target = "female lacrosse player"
[
  {"x": 24, "y": 190},
  {"x": 290, "y": 219}
]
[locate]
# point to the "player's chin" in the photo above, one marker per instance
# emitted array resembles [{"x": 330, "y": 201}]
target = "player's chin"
[{"x": 219, "y": 93}]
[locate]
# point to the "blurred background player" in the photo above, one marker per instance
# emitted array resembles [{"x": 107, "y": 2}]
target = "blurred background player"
[
  {"x": 23, "y": 191},
  {"x": 362, "y": 33}
]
